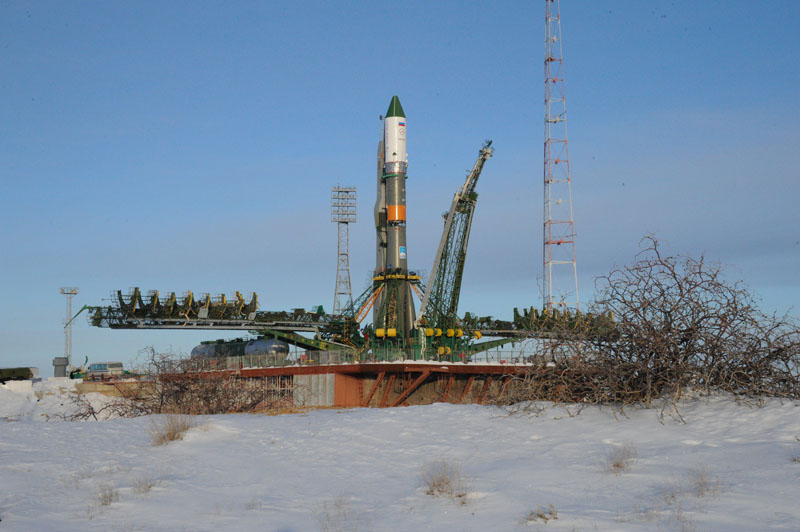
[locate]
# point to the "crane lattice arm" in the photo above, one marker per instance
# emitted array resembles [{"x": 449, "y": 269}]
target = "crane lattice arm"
[{"x": 440, "y": 303}]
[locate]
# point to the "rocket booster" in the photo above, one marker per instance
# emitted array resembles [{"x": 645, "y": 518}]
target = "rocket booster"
[
  {"x": 395, "y": 165},
  {"x": 390, "y": 218}
]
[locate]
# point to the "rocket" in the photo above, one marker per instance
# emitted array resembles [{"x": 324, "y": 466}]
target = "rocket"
[
  {"x": 395, "y": 164},
  {"x": 394, "y": 307}
]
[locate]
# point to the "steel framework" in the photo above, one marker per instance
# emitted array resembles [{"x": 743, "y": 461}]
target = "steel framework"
[
  {"x": 343, "y": 213},
  {"x": 132, "y": 311},
  {"x": 559, "y": 291},
  {"x": 68, "y": 291},
  {"x": 440, "y": 304}
]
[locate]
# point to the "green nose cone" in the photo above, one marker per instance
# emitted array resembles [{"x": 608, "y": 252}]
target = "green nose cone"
[{"x": 395, "y": 109}]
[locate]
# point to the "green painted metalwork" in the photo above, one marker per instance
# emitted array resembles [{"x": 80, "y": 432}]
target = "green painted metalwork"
[
  {"x": 395, "y": 109},
  {"x": 85, "y": 307},
  {"x": 301, "y": 341},
  {"x": 440, "y": 304},
  {"x": 480, "y": 347}
]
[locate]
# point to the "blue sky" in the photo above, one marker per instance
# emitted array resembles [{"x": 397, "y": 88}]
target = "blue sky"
[{"x": 179, "y": 146}]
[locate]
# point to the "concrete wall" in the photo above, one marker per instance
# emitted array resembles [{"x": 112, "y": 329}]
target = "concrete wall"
[
  {"x": 109, "y": 389},
  {"x": 314, "y": 390}
]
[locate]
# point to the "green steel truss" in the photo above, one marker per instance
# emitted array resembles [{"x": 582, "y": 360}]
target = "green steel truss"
[{"x": 440, "y": 303}]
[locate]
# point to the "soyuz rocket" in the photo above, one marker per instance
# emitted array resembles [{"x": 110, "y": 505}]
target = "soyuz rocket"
[{"x": 393, "y": 307}]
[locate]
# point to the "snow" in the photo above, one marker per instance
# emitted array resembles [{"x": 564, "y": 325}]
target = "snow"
[
  {"x": 40, "y": 399},
  {"x": 359, "y": 469}
]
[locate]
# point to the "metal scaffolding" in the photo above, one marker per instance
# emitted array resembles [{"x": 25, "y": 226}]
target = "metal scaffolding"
[
  {"x": 559, "y": 291},
  {"x": 343, "y": 213}
]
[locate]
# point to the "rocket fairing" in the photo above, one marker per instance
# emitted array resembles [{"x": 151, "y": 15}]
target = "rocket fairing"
[
  {"x": 395, "y": 156},
  {"x": 390, "y": 222}
]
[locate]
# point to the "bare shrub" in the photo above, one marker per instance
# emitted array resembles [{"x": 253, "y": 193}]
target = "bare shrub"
[
  {"x": 142, "y": 485},
  {"x": 674, "y": 498},
  {"x": 175, "y": 385},
  {"x": 645, "y": 513},
  {"x": 674, "y": 505},
  {"x": 128, "y": 527},
  {"x": 543, "y": 514},
  {"x": 678, "y": 325},
  {"x": 444, "y": 478},
  {"x": 672, "y": 510},
  {"x": 679, "y": 515},
  {"x": 671, "y": 494},
  {"x": 699, "y": 483},
  {"x": 621, "y": 458},
  {"x": 170, "y": 428},
  {"x": 83, "y": 409},
  {"x": 106, "y": 495},
  {"x": 253, "y": 504},
  {"x": 702, "y": 483},
  {"x": 339, "y": 516}
]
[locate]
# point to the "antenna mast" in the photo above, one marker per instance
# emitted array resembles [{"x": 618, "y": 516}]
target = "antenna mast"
[
  {"x": 560, "y": 291},
  {"x": 343, "y": 213}
]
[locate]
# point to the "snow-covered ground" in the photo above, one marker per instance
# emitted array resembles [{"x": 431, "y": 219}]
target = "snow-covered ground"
[
  {"x": 729, "y": 467},
  {"x": 41, "y": 400}
]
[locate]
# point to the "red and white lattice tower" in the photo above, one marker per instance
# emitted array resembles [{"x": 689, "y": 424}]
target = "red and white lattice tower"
[{"x": 560, "y": 280}]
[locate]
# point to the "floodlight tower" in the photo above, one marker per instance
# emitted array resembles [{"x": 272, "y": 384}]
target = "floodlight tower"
[
  {"x": 68, "y": 291},
  {"x": 343, "y": 213},
  {"x": 560, "y": 291}
]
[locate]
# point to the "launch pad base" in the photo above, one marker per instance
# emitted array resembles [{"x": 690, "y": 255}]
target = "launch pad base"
[{"x": 377, "y": 385}]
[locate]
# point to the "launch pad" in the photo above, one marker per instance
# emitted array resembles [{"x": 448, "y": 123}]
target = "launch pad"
[{"x": 397, "y": 331}]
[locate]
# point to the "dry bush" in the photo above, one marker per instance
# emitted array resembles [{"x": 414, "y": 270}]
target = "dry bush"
[
  {"x": 339, "y": 516},
  {"x": 656, "y": 515},
  {"x": 671, "y": 494},
  {"x": 142, "y": 485},
  {"x": 170, "y": 428},
  {"x": 699, "y": 483},
  {"x": 253, "y": 504},
  {"x": 173, "y": 385},
  {"x": 176, "y": 386},
  {"x": 84, "y": 410},
  {"x": 702, "y": 483},
  {"x": 680, "y": 516},
  {"x": 106, "y": 495},
  {"x": 444, "y": 478},
  {"x": 645, "y": 513},
  {"x": 621, "y": 458},
  {"x": 678, "y": 325},
  {"x": 674, "y": 507},
  {"x": 543, "y": 514}
]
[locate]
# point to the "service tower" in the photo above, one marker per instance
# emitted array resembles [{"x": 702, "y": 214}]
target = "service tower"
[{"x": 393, "y": 314}]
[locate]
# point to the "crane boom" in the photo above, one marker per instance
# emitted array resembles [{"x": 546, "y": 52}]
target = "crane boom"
[{"x": 440, "y": 302}]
